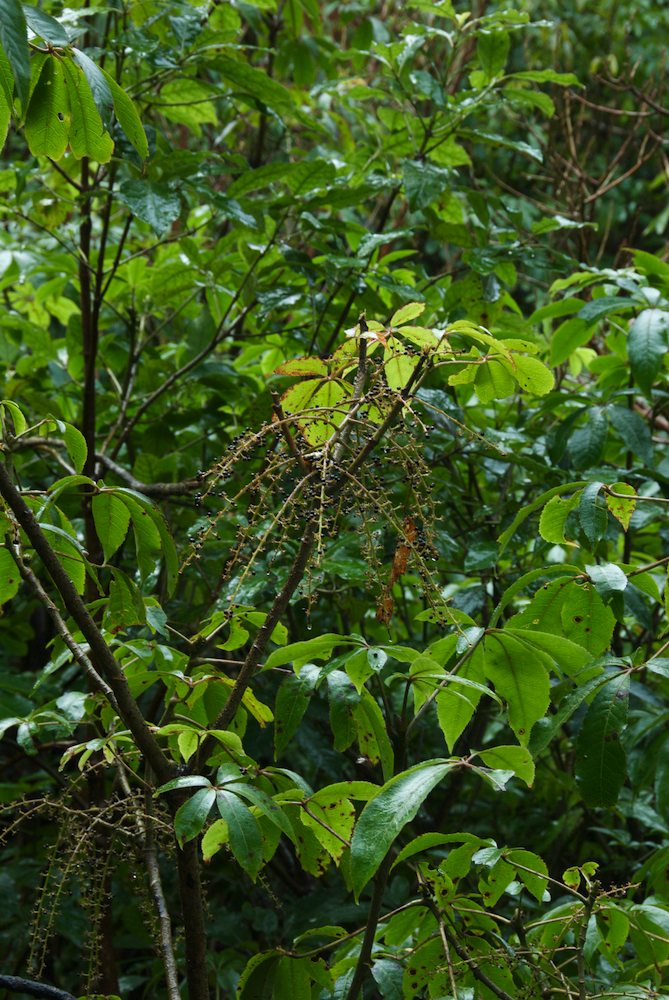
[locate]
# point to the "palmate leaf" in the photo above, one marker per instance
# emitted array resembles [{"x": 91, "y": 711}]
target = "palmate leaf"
[
  {"x": 48, "y": 117},
  {"x": 97, "y": 81},
  {"x": 190, "y": 818},
  {"x": 128, "y": 117},
  {"x": 166, "y": 541},
  {"x": 243, "y": 831},
  {"x": 87, "y": 135}
]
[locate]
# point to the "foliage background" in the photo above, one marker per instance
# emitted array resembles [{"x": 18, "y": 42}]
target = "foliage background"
[{"x": 299, "y": 165}]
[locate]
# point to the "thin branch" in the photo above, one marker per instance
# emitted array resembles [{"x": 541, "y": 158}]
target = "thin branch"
[
  {"x": 97, "y": 682},
  {"x": 149, "y": 489},
  {"x": 146, "y": 831},
  {"x": 101, "y": 655},
  {"x": 362, "y": 967},
  {"x": 257, "y": 650}
]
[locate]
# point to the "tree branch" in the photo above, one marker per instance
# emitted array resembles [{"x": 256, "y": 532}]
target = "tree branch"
[{"x": 101, "y": 656}]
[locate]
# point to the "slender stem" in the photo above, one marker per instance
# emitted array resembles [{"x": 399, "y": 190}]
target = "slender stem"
[
  {"x": 30, "y": 988},
  {"x": 97, "y": 682},
  {"x": 587, "y": 912},
  {"x": 476, "y": 970},
  {"x": 252, "y": 661},
  {"x": 100, "y": 654},
  {"x": 145, "y": 826},
  {"x": 362, "y": 968}
]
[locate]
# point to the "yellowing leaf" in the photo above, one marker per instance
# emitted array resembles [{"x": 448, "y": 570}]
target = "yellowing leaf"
[
  {"x": 532, "y": 375},
  {"x": 622, "y": 509},
  {"x": 408, "y": 312}
]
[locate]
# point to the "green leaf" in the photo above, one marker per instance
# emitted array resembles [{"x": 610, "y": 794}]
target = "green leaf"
[
  {"x": 266, "y": 805},
  {"x": 587, "y": 443},
  {"x": 48, "y": 117},
  {"x": 292, "y": 979},
  {"x": 569, "y": 656},
  {"x": 585, "y": 618},
  {"x": 531, "y": 870},
  {"x": 255, "y": 83},
  {"x": 324, "y": 398},
  {"x": 166, "y": 541},
  {"x": 257, "y": 980},
  {"x": 424, "y": 183},
  {"x": 112, "y": 520},
  {"x": 153, "y": 203},
  {"x": 292, "y": 700},
  {"x": 76, "y": 446},
  {"x": 186, "y": 781},
  {"x": 147, "y": 537},
  {"x": 520, "y": 678},
  {"x": 546, "y": 729},
  {"x": 372, "y": 734},
  {"x": 511, "y": 758},
  {"x": 46, "y": 27},
  {"x": 97, "y": 81},
  {"x": 607, "y": 578},
  {"x": 385, "y": 816},
  {"x": 87, "y": 135},
  {"x": 398, "y": 368},
  {"x": 549, "y": 76},
  {"x": 69, "y": 555},
  {"x": 568, "y": 337},
  {"x": 318, "y": 648},
  {"x": 529, "y": 508},
  {"x": 302, "y": 366},
  {"x": 605, "y": 305},
  {"x": 18, "y": 419},
  {"x": 492, "y": 49},
  {"x": 554, "y": 516},
  {"x": 190, "y": 818},
  {"x": 647, "y": 346},
  {"x": 601, "y": 760},
  {"x": 633, "y": 431},
  {"x": 662, "y": 781},
  {"x": 359, "y": 669},
  {"x": 128, "y": 117},
  {"x": 6, "y": 82},
  {"x": 456, "y": 704},
  {"x": 215, "y": 837},
  {"x": 343, "y": 699},
  {"x": 493, "y": 381},
  {"x": 14, "y": 40},
  {"x": 243, "y": 831},
  {"x": 10, "y": 577},
  {"x": 592, "y": 513},
  {"x": 125, "y": 606}
]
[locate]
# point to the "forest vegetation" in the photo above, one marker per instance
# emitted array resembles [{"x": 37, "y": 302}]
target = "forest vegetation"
[{"x": 334, "y": 631}]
